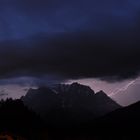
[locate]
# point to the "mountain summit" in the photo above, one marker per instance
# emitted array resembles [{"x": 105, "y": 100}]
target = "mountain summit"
[{"x": 74, "y": 102}]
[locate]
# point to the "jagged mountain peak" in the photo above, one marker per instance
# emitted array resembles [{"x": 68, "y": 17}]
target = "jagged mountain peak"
[
  {"x": 74, "y": 100},
  {"x": 101, "y": 93},
  {"x": 74, "y": 88}
]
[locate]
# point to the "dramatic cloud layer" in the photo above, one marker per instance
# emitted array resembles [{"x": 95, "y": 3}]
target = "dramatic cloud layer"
[
  {"x": 72, "y": 39},
  {"x": 72, "y": 56}
]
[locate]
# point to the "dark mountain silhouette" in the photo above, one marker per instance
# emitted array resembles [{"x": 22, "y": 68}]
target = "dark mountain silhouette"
[
  {"x": 121, "y": 124},
  {"x": 18, "y": 120},
  {"x": 69, "y": 103},
  {"x": 66, "y": 104}
]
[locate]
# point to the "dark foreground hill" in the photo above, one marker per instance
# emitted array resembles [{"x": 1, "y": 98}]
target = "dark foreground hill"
[
  {"x": 121, "y": 124},
  {"x": 65, "y": 104},
  {"x": 17, "y": 120}
]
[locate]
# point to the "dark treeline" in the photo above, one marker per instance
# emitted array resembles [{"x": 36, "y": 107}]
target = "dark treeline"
[{"x": 17, "y": 119}]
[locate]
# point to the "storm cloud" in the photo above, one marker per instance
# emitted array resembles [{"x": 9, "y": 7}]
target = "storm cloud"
[
  {"x": 72, "y": 56},
  {"x": 71, "y": 39}
]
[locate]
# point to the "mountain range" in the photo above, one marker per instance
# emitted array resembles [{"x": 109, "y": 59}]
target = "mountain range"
[
  {"x": 69, "y": 112},
  {"x": 69, "y": 103}
]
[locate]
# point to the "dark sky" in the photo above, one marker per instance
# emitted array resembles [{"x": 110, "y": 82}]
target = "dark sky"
[{"x": 70, "y": 38}]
